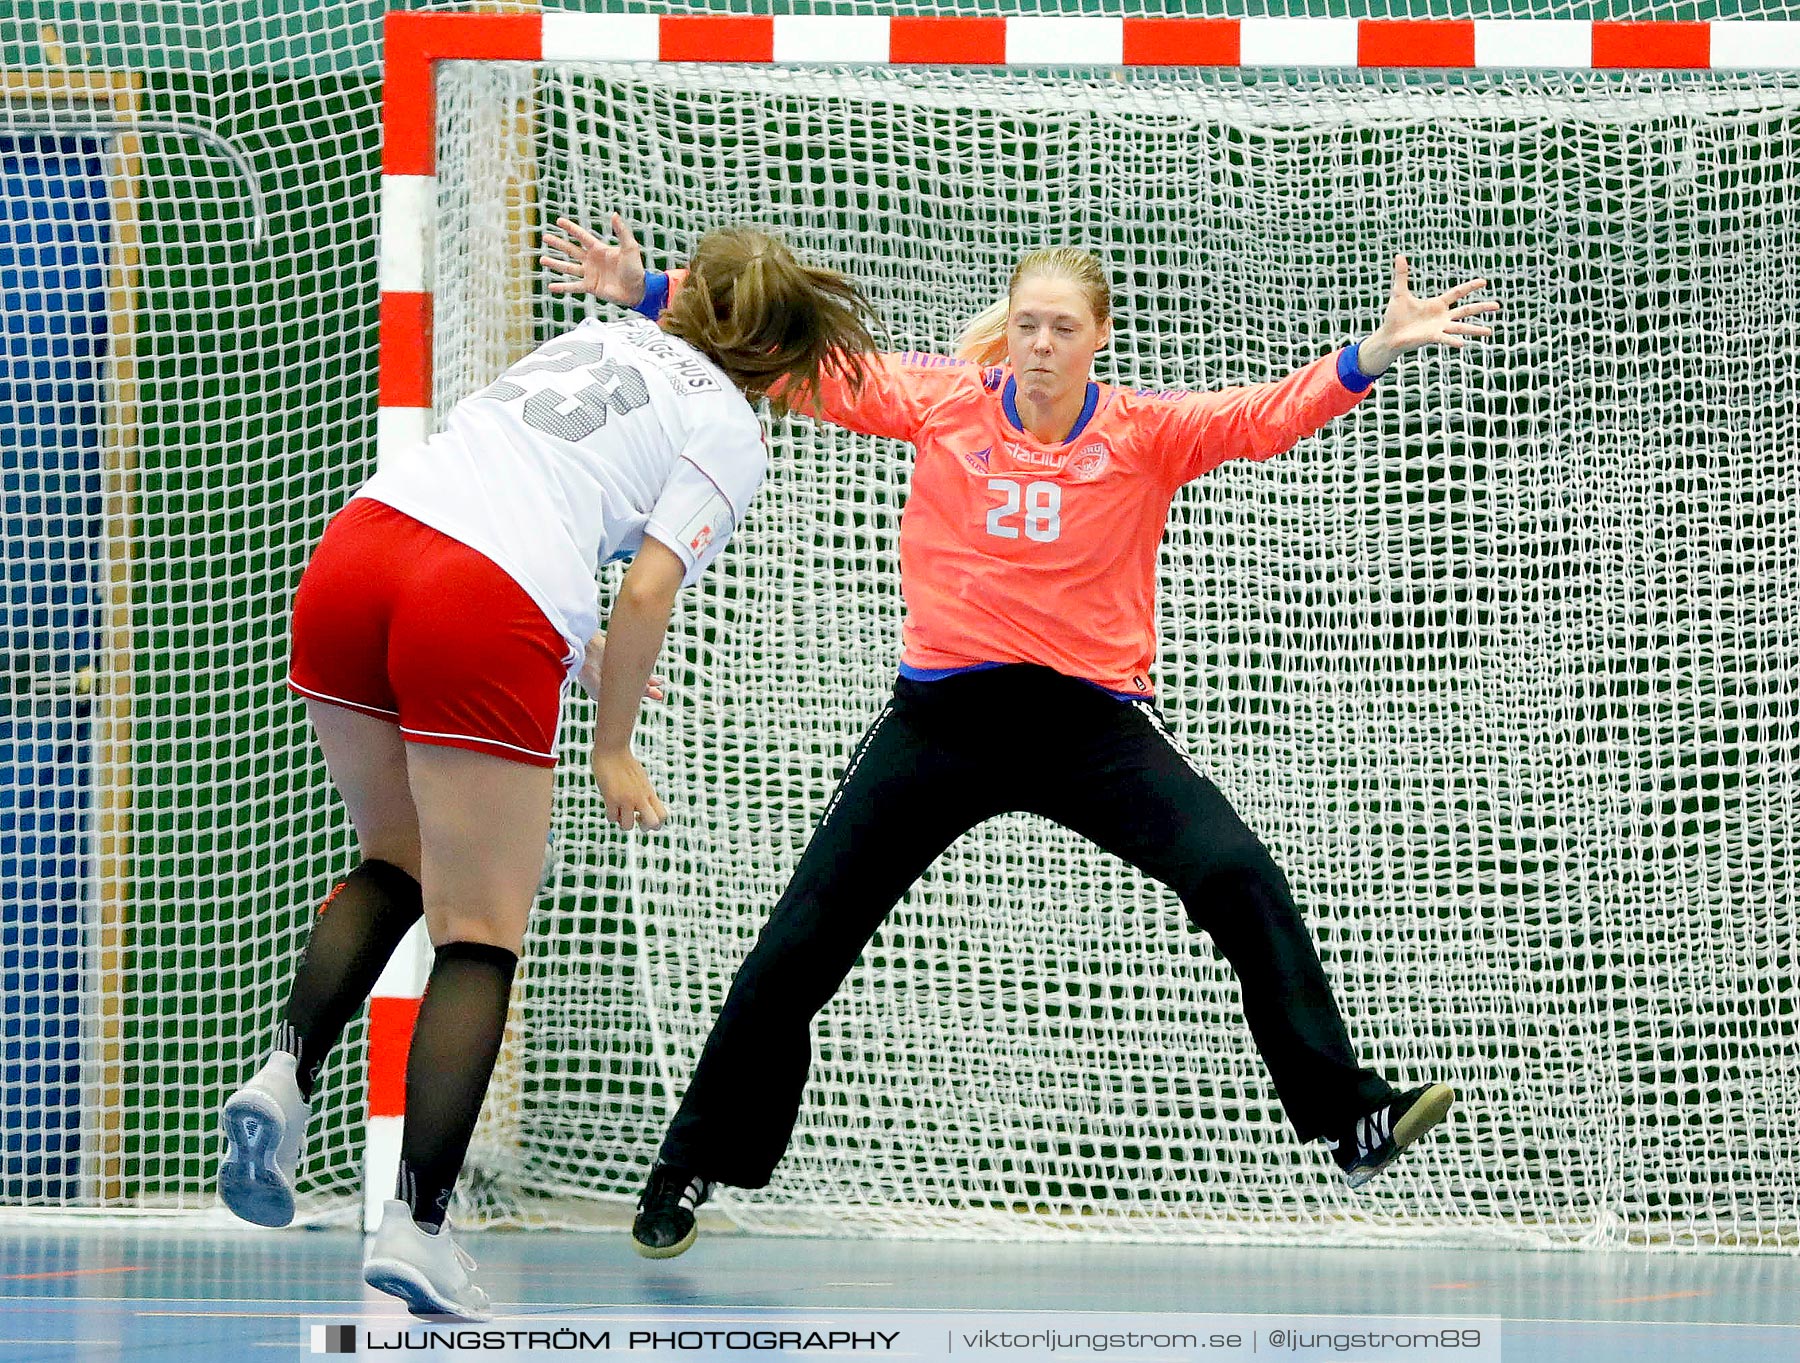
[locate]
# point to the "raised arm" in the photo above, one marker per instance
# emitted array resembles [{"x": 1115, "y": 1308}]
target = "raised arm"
[
  {"x": 897, "y": 392},
  {"x": 897, "y": 388},
  {"x": 1265, "y": 419}
]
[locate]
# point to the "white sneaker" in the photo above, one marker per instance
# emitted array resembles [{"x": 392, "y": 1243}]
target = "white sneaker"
[
  {"x": 430, "y": 1273},
  {"x": 264, "y": 1121}
]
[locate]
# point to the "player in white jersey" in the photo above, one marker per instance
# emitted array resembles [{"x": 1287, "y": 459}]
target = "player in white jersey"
[{"x": 433, "y": 633}]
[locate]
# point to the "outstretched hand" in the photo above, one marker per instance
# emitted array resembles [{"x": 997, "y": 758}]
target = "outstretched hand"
[
  {"x": 615, "y": 273},
  {"x": 1411, "y": 322}
]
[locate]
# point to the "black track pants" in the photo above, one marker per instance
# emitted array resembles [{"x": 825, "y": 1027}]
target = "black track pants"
[{"x": 942, "y": 757}]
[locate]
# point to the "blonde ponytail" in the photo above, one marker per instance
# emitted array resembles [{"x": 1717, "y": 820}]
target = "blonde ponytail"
[{"x": 983, "y": 340}]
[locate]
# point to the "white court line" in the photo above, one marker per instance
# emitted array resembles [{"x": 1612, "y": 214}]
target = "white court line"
[
  {"x": 23, "y": 1302},
  {"x": 334, "y": 1311},
  {"x": 248, "y": 1315}
]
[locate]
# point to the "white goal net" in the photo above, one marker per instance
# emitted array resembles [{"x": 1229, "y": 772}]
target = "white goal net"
[{"x": 1504, "y": 667}]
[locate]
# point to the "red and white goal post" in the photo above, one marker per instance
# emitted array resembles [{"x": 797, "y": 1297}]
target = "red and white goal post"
[{"x": 1497, "y": 665}]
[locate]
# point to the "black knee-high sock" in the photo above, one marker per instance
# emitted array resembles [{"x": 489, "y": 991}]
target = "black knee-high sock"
[
  {"x": 353, "y": 936},
  {"x": 455, "y": 1043}
]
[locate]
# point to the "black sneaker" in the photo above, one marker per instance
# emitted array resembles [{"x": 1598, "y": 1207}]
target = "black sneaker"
[
  {"x": 665, "y": 1221},
  {"x": 1373, "y": 1141}
]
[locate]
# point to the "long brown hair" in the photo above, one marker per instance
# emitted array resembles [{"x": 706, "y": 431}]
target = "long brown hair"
[
  {"x": 767, "y": 319},
  {"x": 983, "y": 340}
]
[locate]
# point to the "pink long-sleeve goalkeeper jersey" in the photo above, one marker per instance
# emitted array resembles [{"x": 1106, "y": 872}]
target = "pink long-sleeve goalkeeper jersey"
[{"x": 1013, "y": 550}]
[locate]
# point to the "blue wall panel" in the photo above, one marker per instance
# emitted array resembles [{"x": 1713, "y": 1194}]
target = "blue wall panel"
[{"x": 53, "y": 336}]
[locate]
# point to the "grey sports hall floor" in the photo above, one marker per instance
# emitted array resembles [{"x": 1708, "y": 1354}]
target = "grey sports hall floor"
[{"x": 145, "y": 1292}]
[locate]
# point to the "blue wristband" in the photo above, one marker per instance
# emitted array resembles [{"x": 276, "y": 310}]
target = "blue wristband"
[
  {"x": 1350, "y": 373},
  {"x": 656, "y": 294}
]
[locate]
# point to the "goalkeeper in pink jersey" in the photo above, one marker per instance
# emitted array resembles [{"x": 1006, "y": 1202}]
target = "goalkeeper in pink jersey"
[{"x": 1028, "y": 565}]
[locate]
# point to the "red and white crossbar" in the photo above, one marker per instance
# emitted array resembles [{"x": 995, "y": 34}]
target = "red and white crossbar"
[{"x": 417, "y": 42}]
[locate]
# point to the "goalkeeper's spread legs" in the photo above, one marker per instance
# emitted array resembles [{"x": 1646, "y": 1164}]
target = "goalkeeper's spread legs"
[{"x": 926, "y": 771}]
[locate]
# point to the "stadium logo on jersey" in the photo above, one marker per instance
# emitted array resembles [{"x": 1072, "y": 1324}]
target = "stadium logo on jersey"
[
  {"x": 1089, "y": 462},
  {"x": 701, "y": 540},
  {"x": 978, "y": 459},
  {"x": 1024, "y": 454}
]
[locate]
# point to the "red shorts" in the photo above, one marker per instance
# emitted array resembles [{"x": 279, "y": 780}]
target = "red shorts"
[{"x": 397, "y": 620}]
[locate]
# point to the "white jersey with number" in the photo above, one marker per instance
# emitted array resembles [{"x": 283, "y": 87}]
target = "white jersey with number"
[{"x": 611, "y": 432}]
